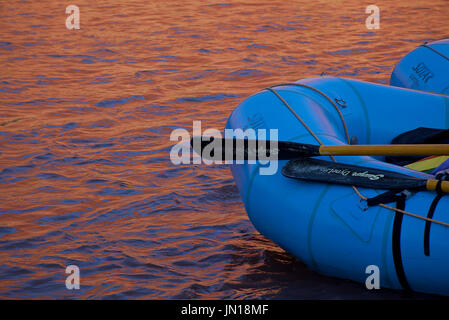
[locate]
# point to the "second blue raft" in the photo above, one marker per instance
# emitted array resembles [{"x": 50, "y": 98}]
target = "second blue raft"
[{"x": 425, "y": 68}]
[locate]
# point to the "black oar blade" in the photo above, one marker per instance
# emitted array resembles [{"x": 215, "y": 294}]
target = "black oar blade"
[
  {"x": 246, "y": 149},
  {"x": 345, "y": 174}
]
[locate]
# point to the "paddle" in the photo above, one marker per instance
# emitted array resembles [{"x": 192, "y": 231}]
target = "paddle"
[
  {"x": 224, "y": 149},
  {"x": 365, "y": 177}
]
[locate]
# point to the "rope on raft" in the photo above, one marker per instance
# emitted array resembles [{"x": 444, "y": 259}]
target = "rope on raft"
[{"x": 348, "y": 140}]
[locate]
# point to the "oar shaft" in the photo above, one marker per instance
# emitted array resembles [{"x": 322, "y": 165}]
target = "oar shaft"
[
  {"x": 432, "y": 185},
  {"x": 391, "y": 150}
]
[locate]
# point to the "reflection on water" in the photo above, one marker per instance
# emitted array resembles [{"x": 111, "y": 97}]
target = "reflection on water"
[{"x": 85, "y": 121}]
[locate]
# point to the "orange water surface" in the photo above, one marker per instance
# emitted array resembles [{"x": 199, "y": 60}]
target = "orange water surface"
[{"x": 85, "y": 123}]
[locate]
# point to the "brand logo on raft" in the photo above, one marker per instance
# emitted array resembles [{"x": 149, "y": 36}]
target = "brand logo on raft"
[
  {"x": 423, "y": 72},
  {"x": 181, "y": 152}
]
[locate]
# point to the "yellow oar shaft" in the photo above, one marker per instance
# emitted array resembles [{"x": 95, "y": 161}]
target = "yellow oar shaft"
[
  {"x": 432, "y": 185},
  {"x": 386, "y": 150}
]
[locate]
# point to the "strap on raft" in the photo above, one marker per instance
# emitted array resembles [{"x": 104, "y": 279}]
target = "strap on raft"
[
  {"x": 400, "y": 196},
  {"x": 441, "y": 177}
]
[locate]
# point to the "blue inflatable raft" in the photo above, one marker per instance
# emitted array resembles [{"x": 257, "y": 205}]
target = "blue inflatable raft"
[
  {"x": 327, "y": 226},
  {"x": 425, "y": 68}
]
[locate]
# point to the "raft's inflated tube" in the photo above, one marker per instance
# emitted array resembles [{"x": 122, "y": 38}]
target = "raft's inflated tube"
[
  {"x": 327, "y": 226},
  {"x": 425, "y": 68}
]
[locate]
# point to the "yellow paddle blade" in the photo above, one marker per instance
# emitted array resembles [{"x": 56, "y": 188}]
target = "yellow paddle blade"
[{"x": 428, "y": 164}]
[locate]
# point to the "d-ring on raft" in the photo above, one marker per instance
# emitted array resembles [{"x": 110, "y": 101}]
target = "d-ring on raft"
[{"x": 328, "y": 226}]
